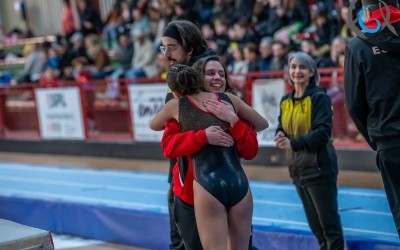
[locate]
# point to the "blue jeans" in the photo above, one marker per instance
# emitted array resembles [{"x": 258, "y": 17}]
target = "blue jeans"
[
  {"x": 132, "y": 74},
  {"x": 111, "y": 34}
]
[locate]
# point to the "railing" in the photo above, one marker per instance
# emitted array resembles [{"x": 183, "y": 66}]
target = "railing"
[{"x": 110, "y": 119}]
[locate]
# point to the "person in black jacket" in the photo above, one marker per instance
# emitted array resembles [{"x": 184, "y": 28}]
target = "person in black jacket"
[
  {"x": 372, "y": 87},
  {"x": 304, "y": 131}
]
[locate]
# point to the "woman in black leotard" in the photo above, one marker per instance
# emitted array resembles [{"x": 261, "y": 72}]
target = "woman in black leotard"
[{"x": 222, "y": 197}]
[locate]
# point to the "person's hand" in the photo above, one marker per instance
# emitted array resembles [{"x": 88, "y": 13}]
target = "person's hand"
[
  {"x": 282, "y": 142},
  {"x": 221, "y": 109},
  {"x": 278, "y": 135},
  {"x": 218, "y": 137}
]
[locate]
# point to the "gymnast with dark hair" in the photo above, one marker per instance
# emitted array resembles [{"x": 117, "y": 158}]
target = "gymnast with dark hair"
[{"x": 222, "y": 197}]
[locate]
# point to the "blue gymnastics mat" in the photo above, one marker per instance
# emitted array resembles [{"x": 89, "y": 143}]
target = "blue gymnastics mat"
[{"x": 130, "y": 208}]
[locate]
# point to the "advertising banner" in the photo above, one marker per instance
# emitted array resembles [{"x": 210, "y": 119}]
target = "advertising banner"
[
  {"x": 267, "y": 94},
  {"x": 60, "y": 113},
  {"x": 146, "y": 100}
]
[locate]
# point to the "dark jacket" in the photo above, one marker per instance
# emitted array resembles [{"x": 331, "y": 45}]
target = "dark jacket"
[
  {"x": 372, "y": 86},
  {"x": 194, "y": 58},
  {"x": 307, "y": 122},
  {"x": 125, "y": 56}
]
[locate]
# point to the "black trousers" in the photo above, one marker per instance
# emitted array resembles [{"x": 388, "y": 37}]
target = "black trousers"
[
  {"x": 186, "y": 222},
  {"x": 321, "y": 208},
  {"x": 176, "y": 241},
  {"x": 388, "y": 161}
]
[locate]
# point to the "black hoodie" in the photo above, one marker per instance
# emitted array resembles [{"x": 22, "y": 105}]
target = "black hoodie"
[{"x": 372, "y": 86}]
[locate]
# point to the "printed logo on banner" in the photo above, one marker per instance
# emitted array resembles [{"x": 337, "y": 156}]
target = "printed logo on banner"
[
  {"x": 55, "y": 100},
  {"x": 151, "y": 108}
]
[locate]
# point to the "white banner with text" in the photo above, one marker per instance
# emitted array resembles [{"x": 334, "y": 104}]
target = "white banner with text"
[
  {"x": 60, "y": 113},
  {"x": 267, "y": 94},
  {"x": 146, "y": 100}
]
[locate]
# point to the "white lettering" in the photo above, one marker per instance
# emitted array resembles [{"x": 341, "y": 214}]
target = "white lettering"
[{"x": 377, "y": 50}]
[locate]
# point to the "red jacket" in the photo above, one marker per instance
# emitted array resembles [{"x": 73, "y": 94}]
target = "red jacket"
[{"x": 176, "y": 143}]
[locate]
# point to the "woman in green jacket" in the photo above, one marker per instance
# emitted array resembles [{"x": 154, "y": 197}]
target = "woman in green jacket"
[{"x": 304, "y": 131}]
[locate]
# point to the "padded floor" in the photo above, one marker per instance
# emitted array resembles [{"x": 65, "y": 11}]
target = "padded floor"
[{"x": 131, "y": 208}]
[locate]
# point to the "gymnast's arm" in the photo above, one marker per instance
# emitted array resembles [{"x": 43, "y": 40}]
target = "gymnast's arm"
[
  {"x": 168, "y": 112},
  {"x": 175, "y": 143},
  {"x": 245, "y": 139}
]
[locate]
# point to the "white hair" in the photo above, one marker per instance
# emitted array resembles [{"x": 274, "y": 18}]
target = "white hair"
[{"x": 307, "y": 61}]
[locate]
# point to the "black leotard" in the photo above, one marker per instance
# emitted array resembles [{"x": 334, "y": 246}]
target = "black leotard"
[{"x": 217, "y": 169}]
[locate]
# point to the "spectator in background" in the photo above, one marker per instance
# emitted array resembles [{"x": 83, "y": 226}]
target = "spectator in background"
[
  {"x": 53, "y": 59},
  {"x": 167, "y": 12},
  {"x": 279, "y": 51},
  {"x": 265, "y": 49},
  {"x": 238, "y": 68},
  {"x": 162, "y": 66},
  {"x": 49, "y": 78},
  {"x": 241, "y": 33},
  {"x": 223, "y": 9},
  {"x": 308, "y": 46},
  {"x": 244, "y": 8},
  {"x": 36, "y": 60},
  {"x": 183, "y": 11},
  {"x": 207, "y": 30},
  {"x": 276, "y": 19},
  {"x": 238, "y": 64},
  {"x": 324, "y": 30},
  {"x": 61, "y": 48},
  {"x": 125, "y": 55},
  {"x": 112, "y": 23},
  {"x": 341, "y": 119},
  {"x": 259, "y": 17},
  {"x": 99, "y": 64},
  {"x": 144, "y": 58},
  {"x": 89, "y": 17},
  {"x": 344, "y": 30},
  {"x": 154, "y": 15},
  {"x": 141, "y": 23},
  {"x": 82, "y": 77},
  {"x": 204, "y": 10},
  {"x": 304, "y": 131},
  {"x": 221, "y": 37},
  {"x": 67, "y": 20},
  {"x": 250, "y": 52},
  {"x": 297, "y": 18},
  {"x": 338, "y": 46},
  {"x": 78, "y": 48}
]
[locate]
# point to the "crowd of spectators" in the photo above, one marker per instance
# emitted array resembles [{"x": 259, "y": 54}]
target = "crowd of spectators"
[{"x": 249, "y": 36}]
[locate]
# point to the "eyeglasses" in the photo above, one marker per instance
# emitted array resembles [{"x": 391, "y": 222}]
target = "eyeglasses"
[{"x": 169, "y": 48}]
